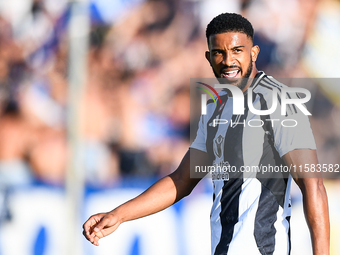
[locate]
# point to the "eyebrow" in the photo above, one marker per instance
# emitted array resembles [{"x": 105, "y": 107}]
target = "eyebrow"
[
  {"x": 233, "y": 48},
  {"x": 237, "y": 47}
]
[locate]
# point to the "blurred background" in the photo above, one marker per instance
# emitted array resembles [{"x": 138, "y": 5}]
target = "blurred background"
[{"x": 131, "y": 120}]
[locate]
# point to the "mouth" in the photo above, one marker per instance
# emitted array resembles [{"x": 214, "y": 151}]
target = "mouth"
[{"x": 230, "y": 74}]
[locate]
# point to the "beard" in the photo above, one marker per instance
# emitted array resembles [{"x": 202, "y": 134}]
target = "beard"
[
  {"x": 241, "y": 82},
  {"x": 244, "y": 79}
]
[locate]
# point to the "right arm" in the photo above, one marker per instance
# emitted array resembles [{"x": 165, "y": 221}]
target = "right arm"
[{"x": 159, "y": 196}]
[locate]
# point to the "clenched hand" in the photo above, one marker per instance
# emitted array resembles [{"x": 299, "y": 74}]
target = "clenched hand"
[{"x": 100, "y": 225}]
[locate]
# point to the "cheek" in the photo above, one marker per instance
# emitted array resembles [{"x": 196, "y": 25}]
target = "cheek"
[
  {"x": 246, "y": 61},
  {"x": 215, "y": 60}
]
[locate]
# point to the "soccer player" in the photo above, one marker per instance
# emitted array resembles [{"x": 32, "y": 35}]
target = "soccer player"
[{"x": 251, "y": 208}]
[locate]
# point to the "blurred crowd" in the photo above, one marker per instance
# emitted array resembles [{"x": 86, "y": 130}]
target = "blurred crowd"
[{"x": 136, "y": 106}]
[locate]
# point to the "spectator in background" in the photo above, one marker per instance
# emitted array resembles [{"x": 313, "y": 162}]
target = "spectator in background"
[
  {"x": 134, "y": 74},
  {"x": 16, "y": 140}
]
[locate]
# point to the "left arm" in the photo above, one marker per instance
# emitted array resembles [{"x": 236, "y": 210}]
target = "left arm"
[{"x": 315, "y": 201}]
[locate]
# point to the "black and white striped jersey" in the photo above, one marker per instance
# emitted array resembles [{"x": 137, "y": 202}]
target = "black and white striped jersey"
[{"x": 251, "y": 210}]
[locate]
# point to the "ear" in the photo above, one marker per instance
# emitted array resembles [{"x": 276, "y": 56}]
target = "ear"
[
  {"x": 207, "y": 56},
  {"x": 255, "y": 50}
]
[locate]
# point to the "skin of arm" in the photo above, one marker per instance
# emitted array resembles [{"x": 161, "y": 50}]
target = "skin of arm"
[
  {"x": 315, "y": 202},
  {"x": 158, "y": 197}
]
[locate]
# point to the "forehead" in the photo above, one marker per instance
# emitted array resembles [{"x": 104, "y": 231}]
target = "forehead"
[{"x": 229, "y": 39}]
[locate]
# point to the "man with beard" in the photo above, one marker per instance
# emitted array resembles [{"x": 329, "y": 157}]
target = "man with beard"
[{"x": 251, "y": 208}]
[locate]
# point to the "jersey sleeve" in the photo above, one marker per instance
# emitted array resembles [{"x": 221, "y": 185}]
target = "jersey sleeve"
[
  {"x": 292, "y": 131},
  {"x": 200, "y": 141}
]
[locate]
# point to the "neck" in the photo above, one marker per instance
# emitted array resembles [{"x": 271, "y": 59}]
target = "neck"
[{"x": 254, "y": 72}]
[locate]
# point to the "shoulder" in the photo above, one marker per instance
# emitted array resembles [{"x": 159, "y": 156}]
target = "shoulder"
[{"x": 266, "y": 84}]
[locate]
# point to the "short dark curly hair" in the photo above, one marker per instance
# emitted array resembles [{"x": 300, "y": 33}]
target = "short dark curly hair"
[{"x": 229, "y": 22}]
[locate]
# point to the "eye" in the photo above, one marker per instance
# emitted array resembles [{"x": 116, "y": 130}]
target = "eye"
[
  {"x": 216, "y": 52},
  {"x": 237, "y": 50}
]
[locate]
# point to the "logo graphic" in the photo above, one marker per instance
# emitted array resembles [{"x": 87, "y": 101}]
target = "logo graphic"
[
  {"x": 238, "y": 99},
  {"x": 204, "y": 98},
  {"x": 218, "y": 146}
]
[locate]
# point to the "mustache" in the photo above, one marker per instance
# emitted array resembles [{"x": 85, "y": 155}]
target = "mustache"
[{"x": 233, "y": 66}]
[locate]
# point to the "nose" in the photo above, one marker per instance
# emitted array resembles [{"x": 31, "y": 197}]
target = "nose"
[{"x": 228, "y": 59}]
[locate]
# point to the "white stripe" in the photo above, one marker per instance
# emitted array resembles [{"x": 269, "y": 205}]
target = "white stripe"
[
  {"x": 215, "y": 220},
  {"x": 282, "y": 225},
  {"x": 243, "y": 241}
]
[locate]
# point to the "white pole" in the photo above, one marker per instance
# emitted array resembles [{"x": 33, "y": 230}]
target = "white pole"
[{"x": 78, "y": 35}]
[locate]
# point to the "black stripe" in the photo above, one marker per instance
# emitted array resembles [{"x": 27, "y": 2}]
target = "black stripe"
[
  {"x": 210, "y": 101},
  {"x": 270, "y": 84},
  {"x": 290, "y": 243},
  {"x": 264, "y": 229},
  {"x": 273, "y": 193},
  {"x": 292, "y": 104},
  {"x": 262, "y": 85},
  {"x": 279, "y": 98},
  {"x": 211, "y": 131},
  {"x": 276, "y": 182},
  {"x": 278, "y": 95},
  {"x": 229, "y": 213}
]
